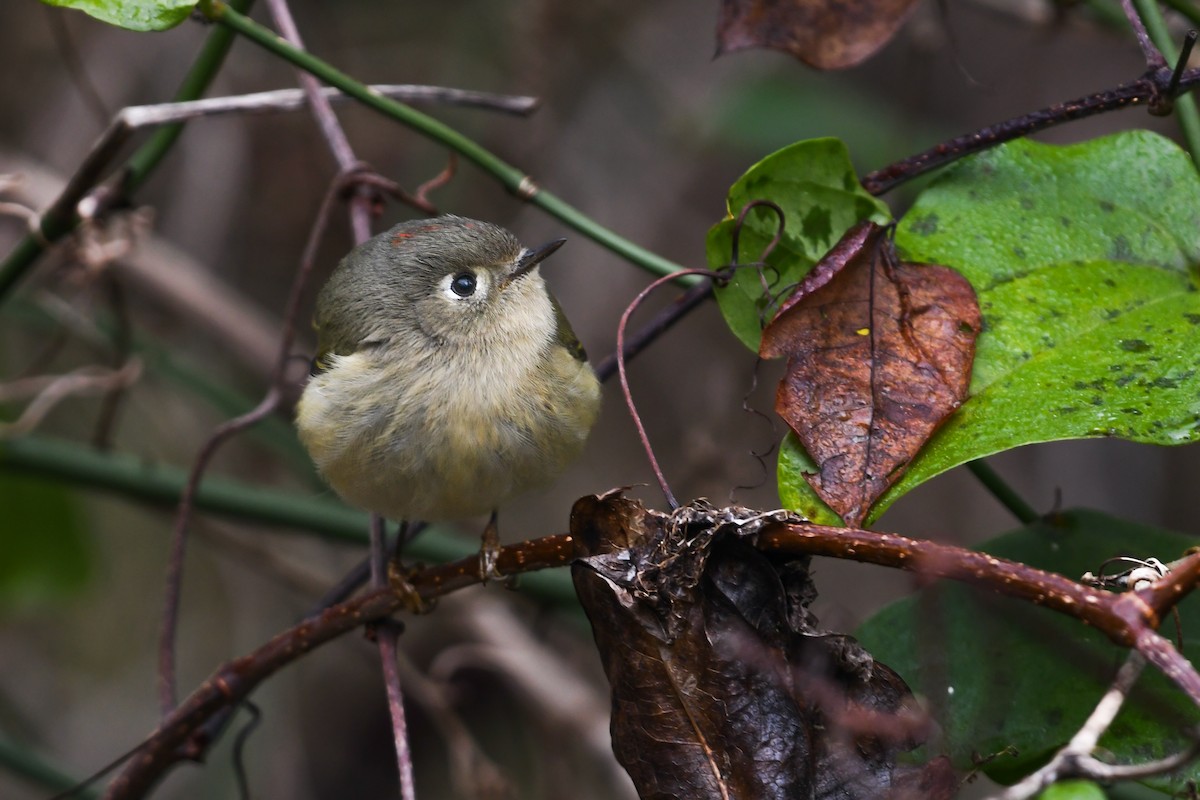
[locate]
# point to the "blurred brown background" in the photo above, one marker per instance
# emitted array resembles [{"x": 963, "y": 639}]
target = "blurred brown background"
[{"x": 639, "y": 128}]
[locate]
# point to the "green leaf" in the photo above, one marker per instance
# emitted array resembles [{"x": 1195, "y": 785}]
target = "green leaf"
[
  {"x": 999, "y": 673},
  {"x": 1073, "y": 790},
  {"x": 796, "y": 493},
  {"x": 134, "y": 15},
  {"x": 1085, "y": 260},
  {"x": 815, "y": 184},
  {"x": 44, "y": 551}
]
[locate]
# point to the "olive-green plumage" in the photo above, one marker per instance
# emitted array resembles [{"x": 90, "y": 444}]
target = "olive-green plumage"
[{"x": 447, "y": 378}]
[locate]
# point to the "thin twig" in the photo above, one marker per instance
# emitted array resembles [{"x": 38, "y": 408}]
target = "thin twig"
[
  {"x": 49, "y": 391},
  {"x": 668, "y": 317},
  {"x": 620, "y": 357},
  {"x": 662, "y": 322},
  {"x": 472, "y": 772},
  {"x": 270, "y": 401},
  {"x": 1076, "y": 759},
  {"x": 387, "y": 637},
  {"x": 1185, "y": 53},
  {"x": 286, "y": 100},
  {"x": 1154, "y": 58},
  {"x": 236, "y": 679},
  {"x": 1067, "y": 762},
  {"x": 60, "y": 217},
  {"x": 327, "y": 121},
  {"x": 437, "y": 181},
  {"x": 388, "y": 634},
  {"x": 511, "y": 178},
  {"x": 1139, "y": 92},
  {"x": 1169, "y": 97}
]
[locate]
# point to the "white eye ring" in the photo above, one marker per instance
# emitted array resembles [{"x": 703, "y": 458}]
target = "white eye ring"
[{"x": 464, "y": 285}]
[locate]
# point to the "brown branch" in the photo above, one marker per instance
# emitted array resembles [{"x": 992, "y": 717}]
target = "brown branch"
[
  {"x": 1128, "y": 620},
  {"x": 1147, "y": 90},
  {"x": 174, "y": 740},
  {"x": 1154, "y": 57},
  {"x": 361, "y": 201},
  {"x": 387, "y": 639}
]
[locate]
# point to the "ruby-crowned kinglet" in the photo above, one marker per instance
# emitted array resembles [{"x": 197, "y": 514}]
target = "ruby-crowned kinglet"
[{"x": 447, "y": 378}]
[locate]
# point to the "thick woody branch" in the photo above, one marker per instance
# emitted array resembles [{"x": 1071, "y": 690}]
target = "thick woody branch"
[{"x": 1128, "y": 619}]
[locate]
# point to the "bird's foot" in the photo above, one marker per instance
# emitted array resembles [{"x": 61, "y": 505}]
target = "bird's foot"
[{"x": 489, "y": 552}]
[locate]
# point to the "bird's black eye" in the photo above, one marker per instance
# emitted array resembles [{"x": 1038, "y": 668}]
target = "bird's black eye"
[{"x": 463, "y": 284}]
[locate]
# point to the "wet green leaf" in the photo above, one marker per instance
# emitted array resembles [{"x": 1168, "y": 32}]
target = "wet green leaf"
[
  {"x": 1008, "y": 678},
  {"x": 1073, "y": 790},
  {"x": 134, "y": 15},
  {"x": 1085, "y": 262},
  {"x": 815, "y": 184},
  {"x": 795, "y": 492}
]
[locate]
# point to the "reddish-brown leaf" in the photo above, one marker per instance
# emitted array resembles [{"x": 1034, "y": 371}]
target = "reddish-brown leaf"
[
  {"x": 723, "y": 685},
  {"x": 826, "y": 34},
  {"x": 879, "y": 354}
]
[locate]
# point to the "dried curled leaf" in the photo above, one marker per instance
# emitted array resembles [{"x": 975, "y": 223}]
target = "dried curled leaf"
[
  {"x": 879, "y": 354},
  {"x": 825, "y": 34},
  {"x": 722, "y": 684}
]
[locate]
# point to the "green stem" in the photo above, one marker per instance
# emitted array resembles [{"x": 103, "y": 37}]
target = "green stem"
[
  {"x": 1007, "y": 496},
  {"x": 1186, "y": 8},
  {"x": 513, "y": 179},
  {"x": 1185, "y": 105},
  {"x": 133, "y": 477},
  {"x": 60, "y": 219}
]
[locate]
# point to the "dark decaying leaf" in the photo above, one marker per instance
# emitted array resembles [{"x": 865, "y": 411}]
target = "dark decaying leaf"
[
  {"x": 879, "y": 354},
  {"x": 826, "y": 34},
  {"x": 723, "y": 687}
]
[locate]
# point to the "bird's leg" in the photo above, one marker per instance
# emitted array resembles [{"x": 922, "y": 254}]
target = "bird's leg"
[
  {"x": 402, "y": 536},
  {"x": 397, "y": 581},
  {"x": 397, "y": 574},
  {"x": 489, "y": 551}
]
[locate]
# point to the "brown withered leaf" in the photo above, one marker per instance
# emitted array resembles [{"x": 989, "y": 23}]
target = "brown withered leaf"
[
  {"x": 879, "y": 354},
  {"x": 826, "y": 34},
  {"x": 722, "y": 684}
]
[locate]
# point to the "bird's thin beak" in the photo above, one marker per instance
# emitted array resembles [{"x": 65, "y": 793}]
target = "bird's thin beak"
[{"x": 532, "y": 258}]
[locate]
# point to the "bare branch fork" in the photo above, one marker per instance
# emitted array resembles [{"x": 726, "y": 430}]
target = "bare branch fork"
[{"x": 1075, "y": 760}]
